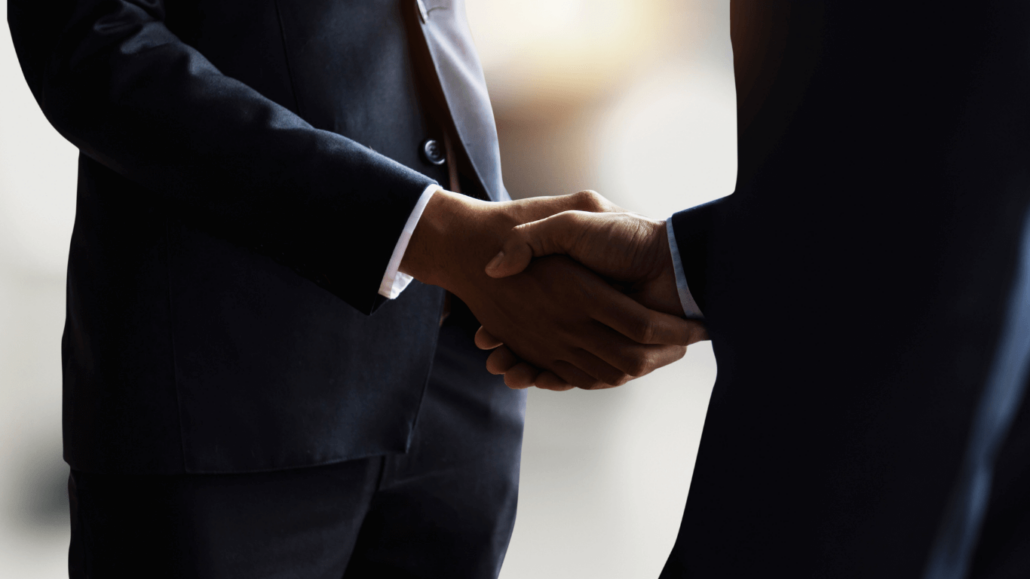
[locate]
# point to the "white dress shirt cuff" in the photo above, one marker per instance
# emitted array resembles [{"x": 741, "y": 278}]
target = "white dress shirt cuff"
[
  {"x": 690, "y": 308},
  {"x": 394, "y": 281}
]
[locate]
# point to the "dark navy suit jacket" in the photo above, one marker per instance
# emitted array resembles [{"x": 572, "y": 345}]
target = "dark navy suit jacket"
[
  {"x": 247, "y": 168},
  {"x": 862, "y": 288}
]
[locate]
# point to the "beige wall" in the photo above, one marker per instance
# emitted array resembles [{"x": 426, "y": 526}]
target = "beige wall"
[{"x": 633, "y": 98}]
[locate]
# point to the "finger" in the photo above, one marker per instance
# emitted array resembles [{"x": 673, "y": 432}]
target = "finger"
[
  {"x": 594, "y": 365},
  {"x": 628, "y": 356},
  {"x": 485, "y": 340},
  {"x": 654, "y": 358},
  {"x": 637, "y": 360},
  {"x": 521, "y": 375},
  {"x": 574, "y": 376},
  {"x": 500, "y": 361},
  {"x": 645, "y": 326},
  {"x": 550, "y": 381},
  {"x": 666, "y": 355},
  {"x": 604, "y": 375},
  {"x": 548, "y": 236}
]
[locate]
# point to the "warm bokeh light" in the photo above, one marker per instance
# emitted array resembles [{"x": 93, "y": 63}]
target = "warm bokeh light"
[
  {"x": 669, "y": 142},
  {"x": 566, "y": 49}
]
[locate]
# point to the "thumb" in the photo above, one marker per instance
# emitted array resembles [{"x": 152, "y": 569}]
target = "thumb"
[
  {"x": 536, "y": 239},
  {"x": 512, "y": 259}
]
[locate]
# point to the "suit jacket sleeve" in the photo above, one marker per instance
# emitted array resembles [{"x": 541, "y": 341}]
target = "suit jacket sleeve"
[
  {"x": 117, "y": 83},
  {"x": 693, "y": 229}
]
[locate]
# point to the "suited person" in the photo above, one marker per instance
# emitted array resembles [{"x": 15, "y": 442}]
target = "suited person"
[
  {"x": 257, "y": 179},
  {"x": 867, "y": 292}
]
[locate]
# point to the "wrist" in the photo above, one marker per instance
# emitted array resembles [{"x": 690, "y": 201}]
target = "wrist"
[
  {"x": 450, "y": 229},
  {"x": 657, "y": 288}
]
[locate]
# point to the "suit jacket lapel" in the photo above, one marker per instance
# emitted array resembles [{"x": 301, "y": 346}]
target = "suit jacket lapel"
[{"x": 461, "y": 78}]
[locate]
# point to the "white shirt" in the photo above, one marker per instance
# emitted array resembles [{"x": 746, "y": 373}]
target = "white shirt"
[
  {"x": 690, "y": 308},
  {"x": 394, "y": 281}
]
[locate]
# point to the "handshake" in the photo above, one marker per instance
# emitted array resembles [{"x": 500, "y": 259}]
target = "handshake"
[{"x": 571, "y": 291}]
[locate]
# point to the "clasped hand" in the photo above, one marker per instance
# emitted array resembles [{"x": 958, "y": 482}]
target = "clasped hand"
[{"x": 561, "y": 324}]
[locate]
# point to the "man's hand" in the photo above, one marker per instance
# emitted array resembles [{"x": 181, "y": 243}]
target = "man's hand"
[
  {"x": 558, "y": 315},
  {"x": 629, "y": 249},
  {"x": 624, "y": 247}
]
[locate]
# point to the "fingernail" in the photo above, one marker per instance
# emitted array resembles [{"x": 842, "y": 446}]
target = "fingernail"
[{"x": 495, "y": 262}]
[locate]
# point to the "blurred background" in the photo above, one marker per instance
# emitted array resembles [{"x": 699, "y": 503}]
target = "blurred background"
[{"x": 632, "y": 98}]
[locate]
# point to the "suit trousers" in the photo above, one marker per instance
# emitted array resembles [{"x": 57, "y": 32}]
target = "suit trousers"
[{"x": 446, "y": 508}]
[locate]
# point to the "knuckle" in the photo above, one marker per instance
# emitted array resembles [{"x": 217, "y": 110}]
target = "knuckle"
[
  {"x": 639, "y": 366},
  {"x": 519, "y": 238},
  {"x": 678, "y": 354},
  {"x": 587, "y": 383},
  {"x": 616, "y": 378},
  {"x": 646, "y": 330},
  {"x": 564, "y": 219},
  {"x": 588, "y": 200}
]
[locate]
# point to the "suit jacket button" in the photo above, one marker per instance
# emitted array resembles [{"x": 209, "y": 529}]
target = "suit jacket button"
[{"x": 433, "y": 152}]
